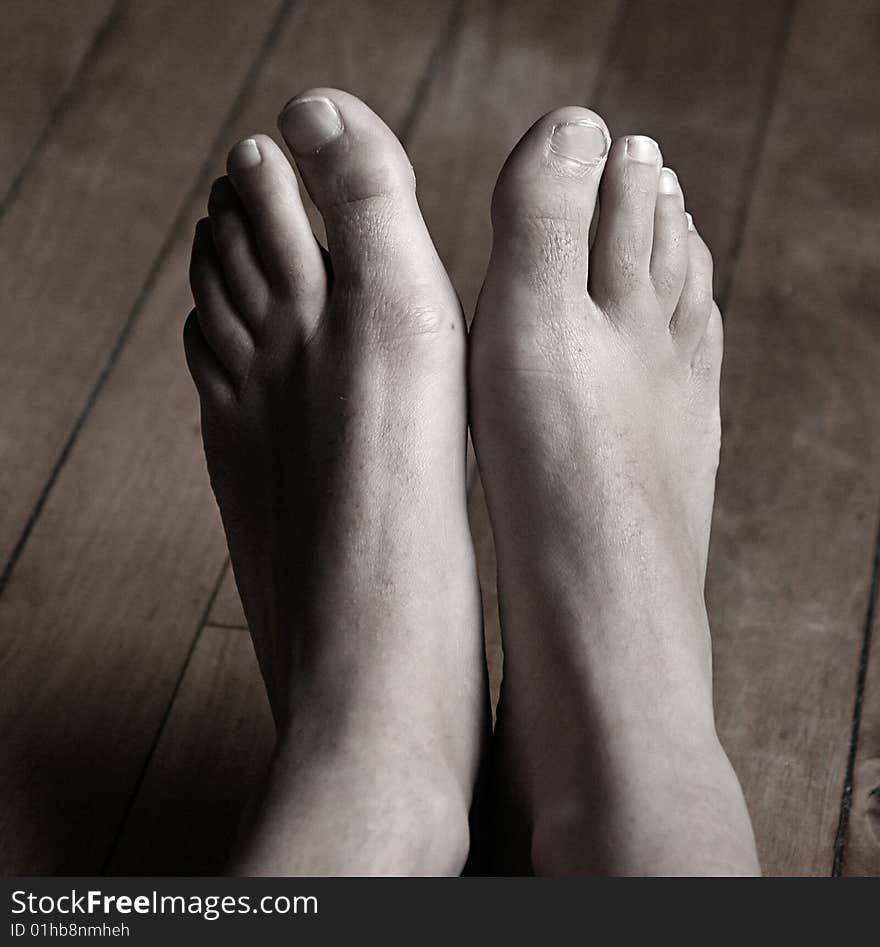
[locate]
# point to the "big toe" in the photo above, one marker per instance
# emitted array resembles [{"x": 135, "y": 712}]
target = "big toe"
[
  {"x": 544, "y": 203},
  {"x": 362, "y": 182}
]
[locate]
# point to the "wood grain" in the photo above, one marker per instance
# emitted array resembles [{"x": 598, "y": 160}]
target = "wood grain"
[
  {"x": 83, "y": 231},
  {"x": 798, "y": 492},
  {"x": 102, "y": 608},
  {"x": 99, "y": 613},
  {"x": 696, "y": 77},
  {"x": 226, "y": 609},
  {"x": 213, "y": 752},
  {"x": 43, "y": 44}
]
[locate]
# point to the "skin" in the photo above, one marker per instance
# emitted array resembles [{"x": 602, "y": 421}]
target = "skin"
[
  {"x": 333, "y": 394},
  {"x": 595, "y": 417}
]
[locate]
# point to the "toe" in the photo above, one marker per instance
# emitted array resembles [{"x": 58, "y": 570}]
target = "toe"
[
  {"x": 669, "y": 254},
  {"x": 710, "y": 348},
  {"x": 218, "y": 319},
  {"x": 694, "y": 307},
  {"x": 361, "y": 181},
  {"x": 544, "y": 202},
  {"x": 238, "y": 253},
  {"x": 211, "y": 380},
  {"x": 625, "y": 233},
  {"x": 267, "y": 186}
]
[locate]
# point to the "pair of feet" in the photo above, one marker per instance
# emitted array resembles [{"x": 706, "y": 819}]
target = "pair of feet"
[{"x": 335, "y": 389}]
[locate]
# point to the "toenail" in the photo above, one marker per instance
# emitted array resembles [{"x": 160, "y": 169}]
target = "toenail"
[
  {"x": 668, "y": 181},
  {"x": 246, "y": 154},
  {"x": 311, "y": 124},
  {"x": 584, "y": 142},
  {"x": 690, "y": 220},
  {"x": 643, "y": 149}
]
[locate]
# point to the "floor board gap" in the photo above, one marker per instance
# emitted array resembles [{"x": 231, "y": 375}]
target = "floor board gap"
[
  {"x": 447, "y": 41},
  {"x": 772, "y": 82},
  {"x": 199, "y": 184},
  {"x": 184, "y": 666},
  {"x": 616, "y": 38},
  {"x": 65, "y": 97},
  {"x": 842, "y": 834}
]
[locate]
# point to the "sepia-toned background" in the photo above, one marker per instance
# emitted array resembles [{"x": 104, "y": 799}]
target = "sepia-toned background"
[{"x": 132, "y": 719}]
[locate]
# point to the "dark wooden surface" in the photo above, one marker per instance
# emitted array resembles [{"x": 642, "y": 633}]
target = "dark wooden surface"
[
  {"x": 44, "y": 49},
  {"x": 799, "y": 491},
  {"x": 860, "y": 849},
  {"x": 132, "y": 719}
]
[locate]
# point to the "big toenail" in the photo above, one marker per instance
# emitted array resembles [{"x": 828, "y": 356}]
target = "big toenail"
[
  {"x": 643, "y": 149},
  {"x": 246, "y": 154},
  {"x": 690, "y": 220},
  {"x": 583, "y": 142},
  {"x": 668, "y": 182},
  {"x": 311, "y": 124}
]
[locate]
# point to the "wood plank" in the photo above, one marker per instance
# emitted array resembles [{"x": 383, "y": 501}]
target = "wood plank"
[
  {"x": 42, "y": 47},
  {"x": 100, "y": 612},
  {"x": 226, "y": 609},
  {"x": 80, "y": 699},
  {"x": 861, "y": 854},
  {"x": 99, "y": 615},
  {"x": 213, "y": 752},
  {"x": 798, "y": 493},
  {"x": 695, "y": 75},
  {"x": 83, "y": 230}
]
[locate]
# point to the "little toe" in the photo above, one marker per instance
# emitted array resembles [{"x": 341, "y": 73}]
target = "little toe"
[
  {"x": 218, "y": 318},
  {"x": 544, "y": 203},
  {"x": 238, "y": 253},
  {"x": 361, "y": 181},
  {"x": 211, "y": 381},
  {"x": 695, "y": 304},
  {"x": 267, "y": 186},
  {"x": 706, "y": 362},
  {"x": 621, "y": 257},
  {"x": 669, "y": 255}
]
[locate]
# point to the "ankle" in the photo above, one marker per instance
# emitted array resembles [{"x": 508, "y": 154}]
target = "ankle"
[
  {"x": 676, "y": 809},
  {"x": 377, "y": 812}
]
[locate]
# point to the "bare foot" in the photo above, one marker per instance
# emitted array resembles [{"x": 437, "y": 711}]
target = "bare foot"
[
  {"x": 333, "y": 413},
  {"x": 594, "y": 398}
]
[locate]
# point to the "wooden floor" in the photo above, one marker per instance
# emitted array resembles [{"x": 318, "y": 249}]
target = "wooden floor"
[{"x": 132, "y": 719}]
